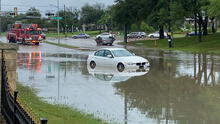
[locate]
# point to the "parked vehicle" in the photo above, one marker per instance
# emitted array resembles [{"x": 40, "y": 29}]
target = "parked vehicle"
[
  {"x": 156, "y": 35},
  {"x": 137, "y": 35},
  {"x": 191, "y": 34},
  {"x": 105, "y": 39},
  {"x": 24, "y": 33},
  {"x": 85, "y": 36},
  {"x": 117, "y": 58}
]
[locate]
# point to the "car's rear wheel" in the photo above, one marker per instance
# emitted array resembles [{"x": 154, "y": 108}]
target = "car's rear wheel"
[
  {"x": 12, "y": 40},
  {"x": 152, "y": 36},
  {"x": 92, "y": 64},
  {"x": 120, "y": 67}
]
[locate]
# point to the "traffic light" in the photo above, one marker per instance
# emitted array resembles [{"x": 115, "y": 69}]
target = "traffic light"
[
  {"x": 12, "y": 13},
  {"x": 49, "y": 14},
  {"x": 15, "y": 11}
]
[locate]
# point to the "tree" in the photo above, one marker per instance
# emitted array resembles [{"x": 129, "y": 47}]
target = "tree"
[
  {"x": 125, "y": 14},
  {"x": 197, "y": 9},
  {"x": 214, "y": 7},
  {"x": 5, "y": 21},
  {"x": 146, "y": 28},
  {"x": 160, "y": 16},
  {"x": 70, "y": 19},
  {"x": 106, "y": 19},
  {"x": 213, "y": 10},
  {"x": 33, "y": 12},
  {"x": 33, "y": 16},
  {"x": 91, "y": 14}
]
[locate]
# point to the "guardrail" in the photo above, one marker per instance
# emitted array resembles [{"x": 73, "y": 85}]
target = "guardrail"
[{"x": 11, "y": 109}]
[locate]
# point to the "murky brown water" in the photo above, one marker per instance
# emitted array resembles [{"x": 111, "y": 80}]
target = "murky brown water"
[{"x": 178, "y": 88}]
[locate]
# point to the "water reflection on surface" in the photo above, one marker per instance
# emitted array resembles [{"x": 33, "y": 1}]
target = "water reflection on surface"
[
  {"x": 178, "y": 88},
  {"x": 111, "y": 74}
]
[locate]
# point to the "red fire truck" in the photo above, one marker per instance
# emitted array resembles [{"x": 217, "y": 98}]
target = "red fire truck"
[{"x": 25, "y": 33}]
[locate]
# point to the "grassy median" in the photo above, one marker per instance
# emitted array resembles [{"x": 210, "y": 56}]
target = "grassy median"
[
  {"x": 56, "y": 114},
  {"x": 209, "y": 44},
  {"x": 61, "y": 45},
  {"x": 91, "y": 33}
]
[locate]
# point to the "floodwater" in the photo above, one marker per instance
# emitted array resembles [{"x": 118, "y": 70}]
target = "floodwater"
[{"x": 178, "y": 88}]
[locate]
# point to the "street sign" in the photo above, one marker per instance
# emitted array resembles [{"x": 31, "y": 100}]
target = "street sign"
[{"x": 56, "y": 18}]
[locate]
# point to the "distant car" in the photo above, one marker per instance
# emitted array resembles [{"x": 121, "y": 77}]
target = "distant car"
[
  {"x": 156, "y": 35},
  {"x": 137, "y": 35},
  {"x": 105, "y": 35},
  {"x": 85, "y": 36},
  {"x": 191, "y": 34},
  {"x": 105, "y": 39},
  {"x": 117, "y": 58}
]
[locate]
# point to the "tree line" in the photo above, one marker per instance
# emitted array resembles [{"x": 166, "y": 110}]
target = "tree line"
[{"x": 128, "y": 15}]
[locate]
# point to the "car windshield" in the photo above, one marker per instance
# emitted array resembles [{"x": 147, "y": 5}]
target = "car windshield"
[
  {"x": 121, "y": 53},
  {"x": 34, "y": 32}
]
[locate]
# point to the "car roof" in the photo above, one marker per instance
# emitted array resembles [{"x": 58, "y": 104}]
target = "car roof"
[
  {"x": 105, "y": 33},
  {"x": 112, "y": 49}
]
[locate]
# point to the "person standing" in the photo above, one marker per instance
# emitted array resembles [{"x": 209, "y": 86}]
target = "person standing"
[{"x": 170, "y": 39}]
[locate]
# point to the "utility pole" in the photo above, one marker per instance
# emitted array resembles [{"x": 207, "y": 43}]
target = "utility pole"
[
  {"x": 58, "y": 21},
  {"x": 65, "y": 29},
  {"x": 0, "y": 17},
  {"x": 169, "y": 11}
]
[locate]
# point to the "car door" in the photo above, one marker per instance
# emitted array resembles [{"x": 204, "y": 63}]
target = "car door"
[
  {"x": 98, "y": 57},
  {"x": 80, "y": 35},
  {"x": 107, "y": 60}
]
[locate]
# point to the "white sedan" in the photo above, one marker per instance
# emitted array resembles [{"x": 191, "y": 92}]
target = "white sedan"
[
  {"x": 117, "y": 57},
  {"x": 156, "y": 35}
]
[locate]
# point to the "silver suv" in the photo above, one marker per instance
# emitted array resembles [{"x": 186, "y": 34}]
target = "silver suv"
[
  {"x": 137, "y": 35},
  {"x": 105, "y": 39}
]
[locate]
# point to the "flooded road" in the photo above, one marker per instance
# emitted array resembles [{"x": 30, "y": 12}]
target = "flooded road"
[{"x": 178, "y": 88}]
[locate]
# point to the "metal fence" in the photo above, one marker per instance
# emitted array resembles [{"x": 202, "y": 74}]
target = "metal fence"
[{"x": 10, "y": 107}]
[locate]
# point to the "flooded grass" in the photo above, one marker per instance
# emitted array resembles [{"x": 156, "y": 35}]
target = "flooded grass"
[
  {"x": 209, "y": 44},
  {"x": 56, "y": 114}
]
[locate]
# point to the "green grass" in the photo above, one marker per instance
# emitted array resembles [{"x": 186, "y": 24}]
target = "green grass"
[
  {"x": 91, "y": 33},
  {"x": 56, "y": 114},
  {"x": 209, "y": 44},
  {"x": 61, "y": 45},
  {"x": 3, "y": 34},
  {"x": 179, "y": 35}
]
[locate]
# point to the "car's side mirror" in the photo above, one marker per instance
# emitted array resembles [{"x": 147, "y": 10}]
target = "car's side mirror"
[{"x": 109, "y": 56}]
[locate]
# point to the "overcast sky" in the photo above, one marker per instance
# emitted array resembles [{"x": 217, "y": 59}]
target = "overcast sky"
[{"x": 45, "y": 5}]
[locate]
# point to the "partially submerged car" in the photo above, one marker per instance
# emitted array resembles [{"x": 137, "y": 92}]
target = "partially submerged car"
[
  {"x": 118, "y": 58},
  {"x": 105, "y": 39},
  {"x": 85, "y": 36}
]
